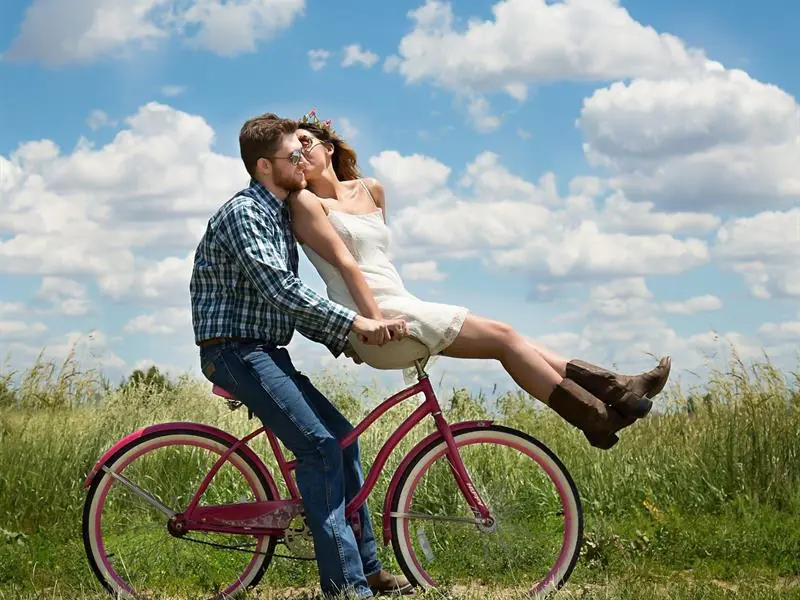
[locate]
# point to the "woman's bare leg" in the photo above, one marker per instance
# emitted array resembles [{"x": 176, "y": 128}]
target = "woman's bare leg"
[
  {"x": 555, "y": 360},
  {"x": 485, "y": 338}
]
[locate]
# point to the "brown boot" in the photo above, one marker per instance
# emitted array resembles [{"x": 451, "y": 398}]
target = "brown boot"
[
  {"x": 598, "y": 422},
  {"x": 384, "y": 582},
  {"x": 630, "y": 395}
]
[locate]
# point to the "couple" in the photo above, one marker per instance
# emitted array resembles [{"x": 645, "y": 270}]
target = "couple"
[{"x": 247, "y": 300}]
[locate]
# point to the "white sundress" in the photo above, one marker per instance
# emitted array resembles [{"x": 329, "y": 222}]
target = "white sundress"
[{"x": 366, "y": 235}]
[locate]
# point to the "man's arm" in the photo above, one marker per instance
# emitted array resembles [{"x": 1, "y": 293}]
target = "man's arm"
[{"x": 250, "y": 236}]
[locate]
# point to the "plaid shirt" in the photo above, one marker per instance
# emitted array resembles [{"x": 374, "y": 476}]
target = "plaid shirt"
[{"x": 244, "y": 281}]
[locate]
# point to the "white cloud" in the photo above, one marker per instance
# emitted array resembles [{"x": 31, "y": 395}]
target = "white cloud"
[
  {"x": 345, "y": 127},
  {"x": 354, "y": 55},
  {"x": 491, "y": 181},
  {"x": 534, "y": 40},
  {"x": 720, "y": 139},
  {"x": 98, "y": 118},
  {"x": 57, "y": 32},
  {"x": 20, "y": 330},
  {"x": 11, "y": 308},
  {"x": 318, "y": 58},
  {"x": 620, "y": 214},
  {"x": 517, "y": 225},
  {"x": 703, "y": 303},
  {"x": 408, "y": 179},
  {"x": 65, "y": 296},
  {"x": 765, "y": 250},
  {"x": 165, "y": 282},
  {"x": 788, "y": 331},
  {"x": 153, "y": 186},
  {"x": 480, "y": 115},
  {"x": 166, "y": 321},
  {"x": 426, "y": 270}
]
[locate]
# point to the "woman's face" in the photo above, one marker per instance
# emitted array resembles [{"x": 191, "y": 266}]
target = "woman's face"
[{"x": 317, "y": 153}]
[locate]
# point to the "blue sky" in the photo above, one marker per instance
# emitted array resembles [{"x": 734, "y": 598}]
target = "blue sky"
[{"x": 637, "y": 158}]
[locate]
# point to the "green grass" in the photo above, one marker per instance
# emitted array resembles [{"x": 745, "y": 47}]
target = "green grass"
[{"x": 701, "y": 500}]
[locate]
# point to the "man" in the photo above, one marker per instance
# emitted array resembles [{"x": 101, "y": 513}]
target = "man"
[{"x": 246, "y": 301}]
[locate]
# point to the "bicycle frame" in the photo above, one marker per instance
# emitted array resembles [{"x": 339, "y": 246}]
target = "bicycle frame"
[{"x": 272, "y": 517}]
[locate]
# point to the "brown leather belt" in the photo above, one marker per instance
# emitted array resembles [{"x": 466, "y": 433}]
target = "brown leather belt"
[{"x": 220, "y": 340}]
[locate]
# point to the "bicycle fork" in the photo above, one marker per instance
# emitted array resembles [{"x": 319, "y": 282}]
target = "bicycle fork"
[{"x": 483, "y": 517}]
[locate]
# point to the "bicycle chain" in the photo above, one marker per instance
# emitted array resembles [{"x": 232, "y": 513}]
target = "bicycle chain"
[{"x": 241, "y": 549}]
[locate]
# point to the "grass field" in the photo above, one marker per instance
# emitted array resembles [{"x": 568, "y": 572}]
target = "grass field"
[{"x": 699, "y": 501}]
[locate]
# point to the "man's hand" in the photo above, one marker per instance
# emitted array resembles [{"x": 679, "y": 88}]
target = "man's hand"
[
  {"x": 351, "y": 354},
  {"x": 377, "y": 333}
]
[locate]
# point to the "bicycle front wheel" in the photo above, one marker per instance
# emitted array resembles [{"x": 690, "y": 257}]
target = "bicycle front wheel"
[
  {"x": 130, "y": 547},
  {"x": 538, "y": 521}
]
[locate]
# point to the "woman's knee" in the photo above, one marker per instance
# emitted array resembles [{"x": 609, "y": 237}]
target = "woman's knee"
[{"x": 504, "y": 337}]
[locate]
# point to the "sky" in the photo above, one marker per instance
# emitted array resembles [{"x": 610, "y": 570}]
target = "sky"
[{"x": 617, "y": 180}]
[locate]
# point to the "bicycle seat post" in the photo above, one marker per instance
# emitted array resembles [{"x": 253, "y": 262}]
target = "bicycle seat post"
[{"x": 421, "y": 374}]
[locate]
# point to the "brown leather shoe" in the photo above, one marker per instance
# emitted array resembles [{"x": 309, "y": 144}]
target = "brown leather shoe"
[
  {"x": 630, "y": 394},
  {"x": 598, "y": 422},
  {"x": 384, "y": 582}
]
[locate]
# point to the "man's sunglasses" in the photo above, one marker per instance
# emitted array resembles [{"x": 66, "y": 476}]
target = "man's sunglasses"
[{"x": 294, "y": 157}]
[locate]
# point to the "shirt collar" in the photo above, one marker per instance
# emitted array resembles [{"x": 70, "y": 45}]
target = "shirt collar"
[{"x": 267, "y": 198}]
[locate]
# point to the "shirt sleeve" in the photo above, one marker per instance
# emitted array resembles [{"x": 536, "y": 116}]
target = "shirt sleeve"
[{"x": 251, "y": 235}]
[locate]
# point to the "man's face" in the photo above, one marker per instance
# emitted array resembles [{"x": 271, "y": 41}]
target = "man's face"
[{"x": 286, "y": 175}]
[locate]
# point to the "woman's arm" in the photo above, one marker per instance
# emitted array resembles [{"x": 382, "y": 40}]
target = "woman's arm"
[{"x": 311, "y": 226}]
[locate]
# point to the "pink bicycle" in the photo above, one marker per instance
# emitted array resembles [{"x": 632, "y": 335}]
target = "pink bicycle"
[{"x": 473, "y": 501}]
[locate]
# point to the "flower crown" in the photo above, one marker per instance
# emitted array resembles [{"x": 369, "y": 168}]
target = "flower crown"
[{"x": 311, "y": 118}]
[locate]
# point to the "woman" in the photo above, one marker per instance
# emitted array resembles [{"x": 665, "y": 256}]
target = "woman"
[{"x": 340, "y": 222}]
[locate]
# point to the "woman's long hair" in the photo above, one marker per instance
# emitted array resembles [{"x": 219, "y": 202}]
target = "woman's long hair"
[{"x": 344, "y": 159}]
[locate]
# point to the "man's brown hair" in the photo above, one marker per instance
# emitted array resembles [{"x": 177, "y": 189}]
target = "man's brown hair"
[{"x": 260, "y": 138}]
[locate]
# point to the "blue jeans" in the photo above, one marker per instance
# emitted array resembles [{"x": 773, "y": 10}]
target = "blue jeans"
[{"x": 263, "y": 378}]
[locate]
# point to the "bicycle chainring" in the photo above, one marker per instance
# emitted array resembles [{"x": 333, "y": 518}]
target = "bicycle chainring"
[{"x": 298, "y": 539}]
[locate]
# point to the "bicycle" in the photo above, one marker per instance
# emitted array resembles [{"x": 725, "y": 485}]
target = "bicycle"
[{"x": 263, "y": 519}]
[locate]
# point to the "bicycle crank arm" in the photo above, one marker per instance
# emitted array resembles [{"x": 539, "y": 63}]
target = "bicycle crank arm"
[
  {"x": 413, "y": 515},
  {"x": 141, "y": 493}
]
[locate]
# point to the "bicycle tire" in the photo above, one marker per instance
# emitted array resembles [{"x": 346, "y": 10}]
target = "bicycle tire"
[
  {"x": 255, "y": 569},
  {"x": 425, "y": 457}
]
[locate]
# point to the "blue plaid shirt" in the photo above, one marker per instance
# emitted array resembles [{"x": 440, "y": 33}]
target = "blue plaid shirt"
[{"x": 244, "y": 281}]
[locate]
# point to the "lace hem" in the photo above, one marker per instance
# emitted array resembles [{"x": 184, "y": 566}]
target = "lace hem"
[{"x": 450, "y": 334}]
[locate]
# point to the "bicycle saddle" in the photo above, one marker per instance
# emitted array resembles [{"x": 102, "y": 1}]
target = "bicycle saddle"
[{"x": 397, "y": 354}]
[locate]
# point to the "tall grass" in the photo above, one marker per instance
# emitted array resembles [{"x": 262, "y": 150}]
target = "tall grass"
[{"x": 711, "y": 478}]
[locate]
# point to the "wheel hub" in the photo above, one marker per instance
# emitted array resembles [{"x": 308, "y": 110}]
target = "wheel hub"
[
  {"x": 488, "y": 525},
  {"x": 177, "y": 526}
]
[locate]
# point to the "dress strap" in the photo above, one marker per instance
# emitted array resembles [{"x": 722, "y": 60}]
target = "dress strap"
[{"x": 368, "y": 192}]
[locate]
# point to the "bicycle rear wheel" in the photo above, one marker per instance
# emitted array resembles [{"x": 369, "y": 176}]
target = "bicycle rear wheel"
[
  {"x": 129, "y": 546},
  {"x": 538, "y": 529}
]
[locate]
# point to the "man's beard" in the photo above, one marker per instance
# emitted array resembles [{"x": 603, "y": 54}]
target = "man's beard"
[{"x": 289, "y": 182}]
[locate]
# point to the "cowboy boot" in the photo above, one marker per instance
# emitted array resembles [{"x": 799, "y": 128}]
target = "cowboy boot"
[
  {"x": 629, "y": 394},
  {"x": 598, "y": 422}
]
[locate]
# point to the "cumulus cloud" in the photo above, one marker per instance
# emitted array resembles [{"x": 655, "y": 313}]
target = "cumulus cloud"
[
  {"x": 534, "y": 40},
  {"x": 318, "y": 58},
  {"x": 63, "y": 296},
  {"x": 515, "y": 224},
  {"x": 151, "y": 187},
  {"x": 765, "y": 250},
  {"x": 719, "y": 139},
  {"x": 354, "y": 55},
  {"x": 58, "y": 32},
  {"x": 426, "y": 270}
]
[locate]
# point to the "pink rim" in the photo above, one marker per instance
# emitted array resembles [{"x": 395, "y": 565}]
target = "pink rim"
[
  {"x": 155, "y": 444},
  {"x": 563, "y": 493}
]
